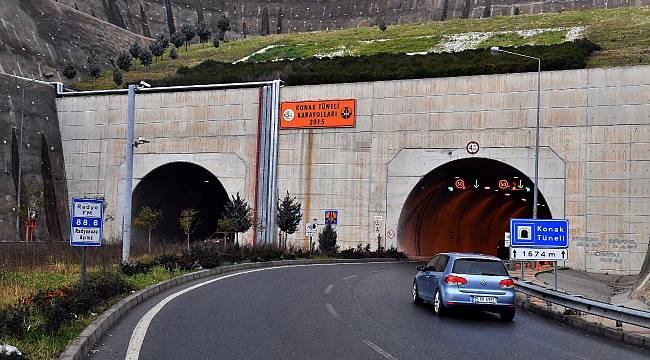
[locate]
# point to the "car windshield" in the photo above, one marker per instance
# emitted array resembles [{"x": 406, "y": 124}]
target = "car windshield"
[{"x": 479, "y": 267}]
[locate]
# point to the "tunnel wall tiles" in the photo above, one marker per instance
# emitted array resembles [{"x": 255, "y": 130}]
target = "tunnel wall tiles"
[{"x": 595, "y": 140}]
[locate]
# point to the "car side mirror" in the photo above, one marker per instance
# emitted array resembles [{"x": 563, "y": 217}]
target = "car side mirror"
[{"x": 420, "y": 268}]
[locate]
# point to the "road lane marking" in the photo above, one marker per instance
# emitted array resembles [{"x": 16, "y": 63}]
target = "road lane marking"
[
  {"x": 328, "y": 288},
  {"x": 377, "y": 271},
  {"x": 140, "y": 330},
  {"x": 331, "y": 310},
  {"x": 349, "y": 277},
  {"x": 379, "y": 350}
]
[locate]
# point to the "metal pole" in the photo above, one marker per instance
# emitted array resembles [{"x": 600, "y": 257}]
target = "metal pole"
[
  {"x": 84, "y": 266},
  {"x": 555, "y": 275},
  {"x": 20, "y": 168},
  {"x": 539, "y": 96},
  {"x": 128, "y": 181}
]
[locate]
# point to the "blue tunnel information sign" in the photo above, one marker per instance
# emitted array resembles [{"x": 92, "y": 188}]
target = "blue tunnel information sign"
[{"x": 539, "y": 233}]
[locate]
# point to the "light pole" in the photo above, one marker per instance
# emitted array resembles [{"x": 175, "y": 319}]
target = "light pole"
[
  {"x": 20, "y": 146},
  {"x": 495, "y": 50}
]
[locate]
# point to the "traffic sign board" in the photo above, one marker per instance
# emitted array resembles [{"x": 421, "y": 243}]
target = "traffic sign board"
[
  {"x": 310, "y": 229},
  {"x": 472, "y": 147},
  {"x": 86, "y": 226},
  {"x": 519, "y": 253},
  {"x": 332, "y": 217},
  {"x": 539, "y": 233}
]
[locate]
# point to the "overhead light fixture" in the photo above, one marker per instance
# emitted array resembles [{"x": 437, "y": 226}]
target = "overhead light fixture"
[
  {"x": 524, "y": 199},
  {"x": 507, "y": 194},
  {"x": 206, "y": 181}
]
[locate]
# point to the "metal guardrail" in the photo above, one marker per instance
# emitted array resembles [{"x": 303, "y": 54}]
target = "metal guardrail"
[{"x": 615, "y": 312}]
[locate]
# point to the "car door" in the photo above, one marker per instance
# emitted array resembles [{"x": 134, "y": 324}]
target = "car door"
[
  {"x": 424, "y": 286},
  {"x": 435, "y": 277}
]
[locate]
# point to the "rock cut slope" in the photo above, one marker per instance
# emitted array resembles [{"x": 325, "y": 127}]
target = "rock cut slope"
[{"x": 37, "y": 36}]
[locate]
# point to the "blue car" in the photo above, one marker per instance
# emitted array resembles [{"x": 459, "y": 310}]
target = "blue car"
[{"x": 458, "y": 280}]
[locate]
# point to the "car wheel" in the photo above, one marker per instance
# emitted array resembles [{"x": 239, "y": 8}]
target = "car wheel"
[
  {"x": 415, "y": 298},
  {"x": 507, "y": 315},
  {"x": 438, "y": 306}
]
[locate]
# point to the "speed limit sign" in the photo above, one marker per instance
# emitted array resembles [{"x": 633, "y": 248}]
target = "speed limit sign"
[{"x": 472, "y": 147}]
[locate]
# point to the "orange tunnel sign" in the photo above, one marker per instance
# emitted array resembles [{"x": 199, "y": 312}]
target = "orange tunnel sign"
[{"x": 318, "y": 114}]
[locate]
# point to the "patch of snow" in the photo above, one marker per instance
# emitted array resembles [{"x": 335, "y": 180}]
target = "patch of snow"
[
  {"x": 464, "y": 41},
  {"x": 575, "y": 33},
  {"x": 343, "y": 51},
  {"x": 260, "y": 51},
  {"x": 417, "y": 53},
  {"x": 374, "y": 41}
]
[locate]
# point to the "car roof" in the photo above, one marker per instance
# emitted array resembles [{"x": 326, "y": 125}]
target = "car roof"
[{"x": 459, "y": 255}]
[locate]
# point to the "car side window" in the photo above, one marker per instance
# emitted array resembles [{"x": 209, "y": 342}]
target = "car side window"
[
  {"x": 441, "y": 264},
  {"x": 432, "y": 263}
]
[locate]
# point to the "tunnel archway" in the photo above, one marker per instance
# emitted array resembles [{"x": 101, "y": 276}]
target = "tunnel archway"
[
  {"x": 466, "y": 205},
  {"x": 175, "y": 186}
]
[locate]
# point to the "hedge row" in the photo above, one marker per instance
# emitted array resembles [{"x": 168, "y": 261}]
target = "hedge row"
[{"x": 568, "y": 55}]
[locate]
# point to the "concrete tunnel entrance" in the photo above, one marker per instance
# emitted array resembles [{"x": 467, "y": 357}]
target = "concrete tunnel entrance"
[
  {"x": 466, "y": 205},
  {"x": 176, "y": 186}
]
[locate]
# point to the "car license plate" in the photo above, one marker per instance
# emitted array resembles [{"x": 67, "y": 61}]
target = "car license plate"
[{"x": 485, "y": 299}]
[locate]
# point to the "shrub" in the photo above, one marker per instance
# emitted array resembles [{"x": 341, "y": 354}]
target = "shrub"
[
  {"x": 570, "y": 55},
  {"x": 69, "y": 70},
  {"x": 327, "y": 239},
  {"x": 124, "y": 60},
  {"x": 118, "y": 78},
  {"x": 215, "y": 40},
  {"x": 134, "y": 50},
  {"x": 47, "y": 311},
  {"x": 173, "y": 53}
]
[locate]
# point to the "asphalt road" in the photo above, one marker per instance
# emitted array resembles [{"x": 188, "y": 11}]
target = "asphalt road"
[{"x": 339, "y": 312}]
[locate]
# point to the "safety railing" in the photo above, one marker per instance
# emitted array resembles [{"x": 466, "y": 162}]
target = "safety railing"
[{"x": 619, "y": 313}]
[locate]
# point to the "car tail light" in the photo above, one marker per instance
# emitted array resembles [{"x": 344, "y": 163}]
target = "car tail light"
[
  {"x": 455, "y": 280},
  {"x": 506, "y": 283}
]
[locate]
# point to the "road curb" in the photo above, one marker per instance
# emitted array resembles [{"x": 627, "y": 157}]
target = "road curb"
[
  {"x": 89, "y": 336},
  {"x": 626, "y": 337}
]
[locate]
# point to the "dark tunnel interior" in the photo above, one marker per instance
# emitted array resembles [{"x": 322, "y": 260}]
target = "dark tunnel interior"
[
  {"x": 466, "y": 205},
  {"x": 177, "y": 186}
]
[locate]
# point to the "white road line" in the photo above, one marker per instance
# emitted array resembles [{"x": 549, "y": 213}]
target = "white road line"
[
  {"x": 328, "y": 289},
  {"x": 377, "y": 271},
  {"x": 140, "y": 330},
  {"x": 349, "y": 277},
  {"x": 379, "y": 350},
  {"x": 332, "y": 312}
]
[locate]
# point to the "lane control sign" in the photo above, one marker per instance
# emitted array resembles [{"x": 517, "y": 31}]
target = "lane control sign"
[{"x": 86, "y": 227}]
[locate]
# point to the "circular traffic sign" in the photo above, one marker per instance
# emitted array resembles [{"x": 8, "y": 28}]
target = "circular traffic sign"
[
  {"x": 391, "y": 234},
  {"x": 472, "y": 147}
]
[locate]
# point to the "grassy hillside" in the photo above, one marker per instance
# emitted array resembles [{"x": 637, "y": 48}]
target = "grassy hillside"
[{"x": 623, "y": 34}]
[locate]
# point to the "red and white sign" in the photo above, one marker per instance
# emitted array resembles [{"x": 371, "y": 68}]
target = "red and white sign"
[
  {"x": 391, "y": 234},
  {"x": 472, "y": 147}
]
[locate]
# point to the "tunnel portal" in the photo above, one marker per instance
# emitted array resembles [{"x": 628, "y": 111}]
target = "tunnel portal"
[
  {"x": 466, "y": 205},
  {"x": 176, "y": 186}
]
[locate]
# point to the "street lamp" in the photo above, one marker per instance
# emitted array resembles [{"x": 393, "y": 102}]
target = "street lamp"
[
  {"x": 495, "y": 50},
  {"x": 47, "y": 76}
]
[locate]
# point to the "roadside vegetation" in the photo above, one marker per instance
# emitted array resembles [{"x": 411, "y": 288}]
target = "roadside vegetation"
[{"x": 622, "y": 34}]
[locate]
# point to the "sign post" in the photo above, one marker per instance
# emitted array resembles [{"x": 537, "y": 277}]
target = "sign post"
[
  {"x": 86, "y": 228},
  {"x": 310, "y": 230},
  {"x": 377, "y": 222},
  {"x": 540, "y": 239}
]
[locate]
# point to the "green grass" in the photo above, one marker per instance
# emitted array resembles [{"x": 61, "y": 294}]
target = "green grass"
[
  {"x": 45, "y": 346},
  {"x": 21, "y": 284},
  {"x": 623, "y": 34}
]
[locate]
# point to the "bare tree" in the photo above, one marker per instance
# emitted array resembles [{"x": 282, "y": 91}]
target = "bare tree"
[
  {"x": 147, "y": 219},
  {"x": 189, "y": 221}
]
